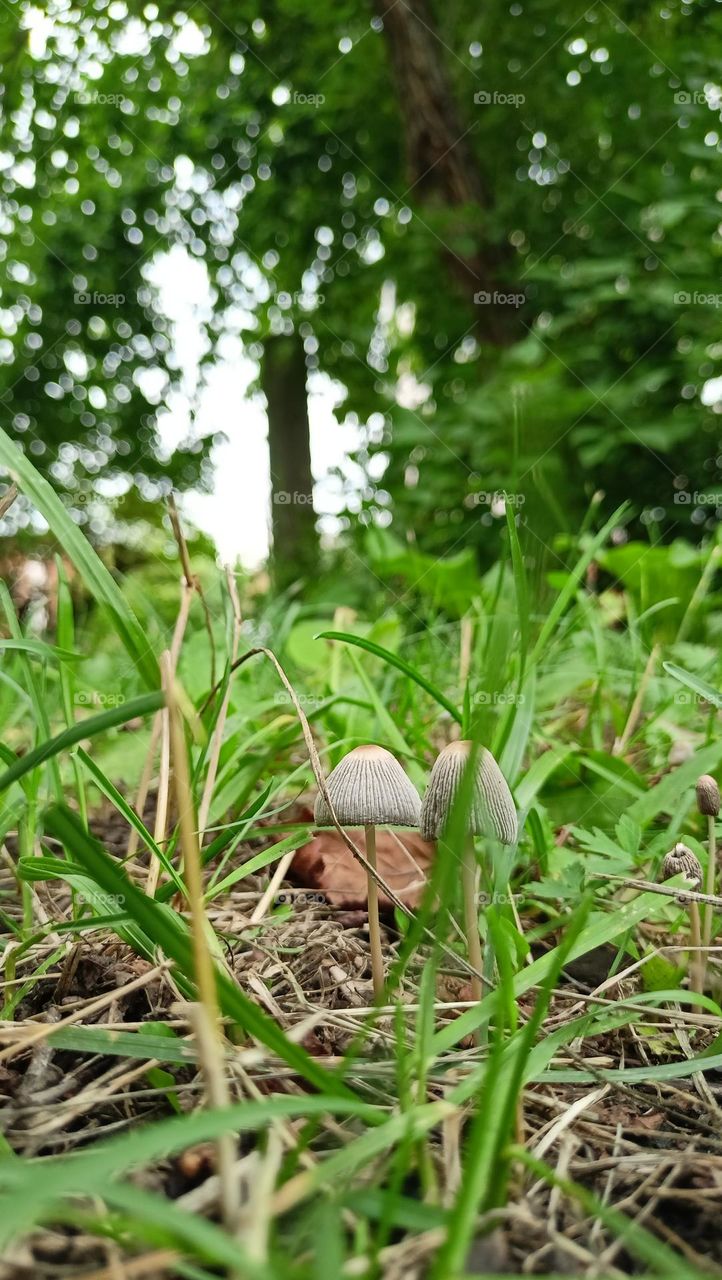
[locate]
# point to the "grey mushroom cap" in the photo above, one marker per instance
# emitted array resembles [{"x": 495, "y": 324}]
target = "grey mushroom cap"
[
  {"x": 708, "y": 796},
  {"x": 680, "y": 861},
  {"x": 492, "y": 812},
  {"x": 369, "y": 787}
]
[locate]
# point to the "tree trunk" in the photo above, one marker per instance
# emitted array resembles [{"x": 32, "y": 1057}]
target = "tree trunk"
[
  {"x": 293, "y": 522},
  {"x": 441, "y": 166}
]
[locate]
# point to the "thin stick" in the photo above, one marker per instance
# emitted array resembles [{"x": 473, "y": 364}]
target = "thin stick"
[
  {"x": 207, "y": 1023},
  {"x": 377, "y": 959},
  {"x": 709, "y": 880},
  {"x": 465, "y": 642},
  {"x": 147, "y": 774},
  {"x": 41, "y": 1031},
  {"x": 470, "y": 889},
  {"x": 203, "y": 964},
  {"x": 8, "y": 499},
  {"x": 621, "y": 744},
  {"x": 217, "y": 739},
  {"x": 211, "y": 1055},
  {"x": 191, "y": 579},
  {"x": 649, "y": 886},
  {"x": 161, "y": 811},
  {"x": 696, "y": 959}
]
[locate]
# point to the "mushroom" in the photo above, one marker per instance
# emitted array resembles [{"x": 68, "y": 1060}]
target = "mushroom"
[
  {"x": 368, "y": 788},
  {"x": 708, "y": 803},
  {"x": 492, "y": 813},
  {"x": 682, "y": 861}
]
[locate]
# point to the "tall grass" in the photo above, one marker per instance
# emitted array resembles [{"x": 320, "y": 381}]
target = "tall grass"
[{"x": 364, "y": 1135}]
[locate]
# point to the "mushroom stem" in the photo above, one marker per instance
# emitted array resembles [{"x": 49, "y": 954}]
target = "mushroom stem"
[
  {"x": 696, "y": 957},
  {"x": 470, "y": 889},
  {"x": 377, "y": 959},
  {"x": 710, "y": 879}
]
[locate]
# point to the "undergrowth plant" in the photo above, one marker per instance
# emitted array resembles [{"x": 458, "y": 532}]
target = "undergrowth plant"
[{"x": 400, "y": 1131}]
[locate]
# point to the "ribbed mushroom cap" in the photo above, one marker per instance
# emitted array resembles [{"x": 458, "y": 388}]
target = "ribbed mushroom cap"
[
  {"x": 369, "y": 787},
  {"x": 708, "y": 797},
  {"x": 492, "y": 810},
  {"x": 680, "y": 861}
]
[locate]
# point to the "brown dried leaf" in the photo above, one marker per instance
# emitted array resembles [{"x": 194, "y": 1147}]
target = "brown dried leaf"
[{"x": 326, "y": 863}]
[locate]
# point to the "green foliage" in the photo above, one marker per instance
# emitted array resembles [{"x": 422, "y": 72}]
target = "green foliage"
[{"x": 599, "y": 196}]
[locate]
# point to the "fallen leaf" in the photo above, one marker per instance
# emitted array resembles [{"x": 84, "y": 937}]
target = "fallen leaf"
[{"x": 326, "y": 863}]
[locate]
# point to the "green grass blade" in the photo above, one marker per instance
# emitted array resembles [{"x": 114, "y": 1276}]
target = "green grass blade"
[
  {"x": 520, "y": 588},
  {"x": 574, "y": 578},
  {"x": 167, "y": 930},
  {"x": 37, "y": 649},
  {"x": 695, "y": 683},
  {"x": 395, "y": 661},
  {"x": 111, "y": 792},
  {"x": 145, "y": 705},
  {"x": 98, "y": 580}
]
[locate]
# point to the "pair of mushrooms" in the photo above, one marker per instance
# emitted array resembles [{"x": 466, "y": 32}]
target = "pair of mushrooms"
[{"x": 369, "y": 789}]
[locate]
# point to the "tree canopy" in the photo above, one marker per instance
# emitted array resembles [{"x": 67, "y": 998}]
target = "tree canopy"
[{"x": 497, "y": 230}]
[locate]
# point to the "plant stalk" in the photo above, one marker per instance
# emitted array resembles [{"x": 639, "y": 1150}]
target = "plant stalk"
[
  {"x": 470, "y": 889},
  {"x": 377, "y": 959},
  {"x": 206, "y": 1017},
  {"x": 709, "y": 882},
  {"x": 697, "y": 956}
]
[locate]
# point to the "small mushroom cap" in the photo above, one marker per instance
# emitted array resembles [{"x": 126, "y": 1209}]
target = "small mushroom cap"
[
  {"x": 369, "y": 787},
  {"x": 492, "y": 810},
  {"x": 708, "y": 797},
  {"x": 680, "y": 861}
]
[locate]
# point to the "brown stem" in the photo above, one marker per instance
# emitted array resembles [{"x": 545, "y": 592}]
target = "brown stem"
[
  {"x": 8, "y": 499},
  {"x": 709, "y": 882},
  {"x": 377, "y": 959},
  {"x": 697, "y": 958},
  {"x": 470, "y": 888}
]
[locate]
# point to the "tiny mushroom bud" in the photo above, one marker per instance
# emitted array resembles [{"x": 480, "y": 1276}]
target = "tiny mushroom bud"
[
  {"x": 708, "y": 796},
  {"x": 492, "y": 813},
  {"x": 368, "y": 788},
  {"x": 681, "y": 861}
]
